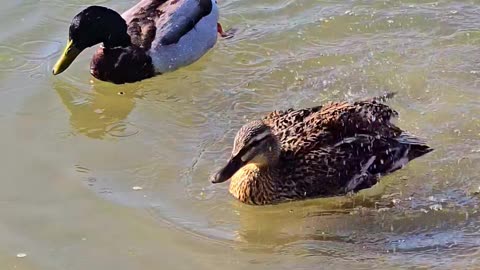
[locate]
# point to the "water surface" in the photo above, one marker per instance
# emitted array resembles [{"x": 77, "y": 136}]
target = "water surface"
[{"x": 73, "y": 147}]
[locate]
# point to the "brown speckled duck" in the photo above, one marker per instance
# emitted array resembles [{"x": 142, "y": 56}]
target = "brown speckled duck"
[
  {"x": 151, "y": 38},
  {"x": 327, "y": 150}
]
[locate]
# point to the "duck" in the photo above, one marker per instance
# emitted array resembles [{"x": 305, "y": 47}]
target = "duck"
[
  {"x": 151, "y": 38},
  {"x": 328, "y": 150}
]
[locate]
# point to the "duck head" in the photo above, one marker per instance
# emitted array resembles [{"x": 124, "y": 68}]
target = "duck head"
[
  {"x": 254, "y": 143},
  {"x": 92, "y": 26}
]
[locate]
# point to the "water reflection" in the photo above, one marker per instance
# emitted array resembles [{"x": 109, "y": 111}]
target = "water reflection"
[
  {"x": 302, "y": 220},
  {"x": 99, "y": 110},
  {"x": 314, "y": 230}
]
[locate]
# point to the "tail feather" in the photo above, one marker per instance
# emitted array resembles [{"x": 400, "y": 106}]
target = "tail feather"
[
  {"x": 418, "y": 147},
  {"x": 413, "y": 147},
  {"x": 418, "y": 150},
  {"x": 397, "y": 152}
]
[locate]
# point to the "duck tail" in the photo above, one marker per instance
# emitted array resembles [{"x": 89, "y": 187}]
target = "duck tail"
[
  {"x": 411, "y": 148},
  {"x": 418, "y": 147},
  {"x": 418, "y": 150}
]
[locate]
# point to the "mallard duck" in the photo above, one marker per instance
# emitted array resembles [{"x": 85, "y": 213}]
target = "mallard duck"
[
  {"x": 153, "y": 37},
  {"x": 328, "y": 150}
]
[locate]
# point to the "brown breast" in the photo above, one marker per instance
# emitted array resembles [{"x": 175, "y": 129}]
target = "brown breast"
[
  {"x": 121, "y": 65},
  {"x": 253, "y": 185}
]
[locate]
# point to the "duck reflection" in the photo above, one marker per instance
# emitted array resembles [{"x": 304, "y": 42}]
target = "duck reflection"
[
  {"x": 317, "y": 219},
  {"x": 98, "y": 110}
]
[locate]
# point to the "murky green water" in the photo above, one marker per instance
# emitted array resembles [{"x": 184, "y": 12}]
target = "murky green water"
[{"x": 72, "y": 147}]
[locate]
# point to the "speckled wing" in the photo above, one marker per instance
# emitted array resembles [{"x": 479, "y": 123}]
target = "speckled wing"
[
  {"x": 340, "y": 147},
  {"x": 301, "y": 131},
  {"x": 363, "y": 117},
  {"x": 352, "y": 164},
  {"x": 281, "y": 120}
]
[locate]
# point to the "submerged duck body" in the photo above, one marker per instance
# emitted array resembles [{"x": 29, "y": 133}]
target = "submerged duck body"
[
  {"x": 327, "y": 150},
  {"x": 151, "y": 38}
]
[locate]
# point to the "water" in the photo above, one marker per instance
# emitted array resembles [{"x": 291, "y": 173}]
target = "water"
[{"x": 73, "y": 147}]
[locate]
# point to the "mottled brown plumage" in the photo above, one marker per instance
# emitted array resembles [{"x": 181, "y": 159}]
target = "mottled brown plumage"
[{"x": 322, "y": 151}]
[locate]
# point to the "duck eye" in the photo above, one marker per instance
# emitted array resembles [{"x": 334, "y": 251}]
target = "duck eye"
[
  {"x": 249, "y": 147},
  {"x": 255, "y": 143}
]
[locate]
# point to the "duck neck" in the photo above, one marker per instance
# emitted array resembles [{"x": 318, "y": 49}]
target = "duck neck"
[
  {"x": 254, "y": 184},
  {"x": 121, "y": 39},
  {"x": 112, "y": 30}
]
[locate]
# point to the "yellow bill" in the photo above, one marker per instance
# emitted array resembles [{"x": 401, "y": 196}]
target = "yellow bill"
[{"x": 69, "y": 54}]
